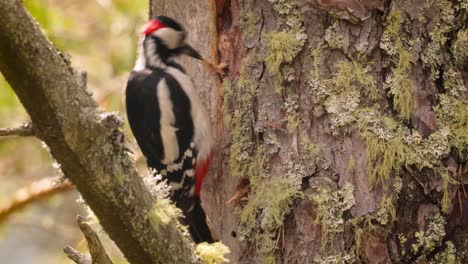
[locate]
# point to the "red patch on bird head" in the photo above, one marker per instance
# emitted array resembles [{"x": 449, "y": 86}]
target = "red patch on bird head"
[{"x": 152, "y": 26}]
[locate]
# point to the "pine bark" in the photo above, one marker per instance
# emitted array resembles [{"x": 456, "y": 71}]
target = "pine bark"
[{"x": 347, "y": 117}]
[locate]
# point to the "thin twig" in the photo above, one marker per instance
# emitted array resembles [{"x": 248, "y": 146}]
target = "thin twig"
[
  {"x": 98, "y": 253},
  {"x": 77, "y": 256},
  {"x": 36, "y": 191},
  {"x": 25, "y": 130}
]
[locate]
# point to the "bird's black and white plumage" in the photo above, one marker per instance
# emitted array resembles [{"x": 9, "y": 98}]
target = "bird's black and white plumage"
[{"x": 169, "y": 121}]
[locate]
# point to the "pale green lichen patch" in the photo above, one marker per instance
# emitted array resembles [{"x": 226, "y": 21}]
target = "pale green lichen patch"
[
  {"x": 331, "y": 205},
  {"x": 387, "y": 212},
  {"x": 342, "y": 93},
  {"x": 452, "y": 113},
  {"x": 212, "y": 253},
  {"x": 390, "y": 145},
  {"x": 240, "y": 122},
  {"x": 453, "y": 82},
  {"x": 343, "y": 258},
  {"x": 308, "y": 157},
  {"x": 228, "y": 93},
  {"x": 282, "y": 48},
  {"x": 460, "y": 47},
  {"x": 433, "y": 54},
  {"x": 247, "y": 21},
  {"x": 333, "y": 38},
  {"x": 432, "y": 237},
  {"x": 317, "y": 84},
  {"x": 348, "y": 85},
  {"x": 269, "y": 201},
  {"x": 398, "y": 82},
  {"x": 446, "y": 181},
  {"x": 291, "y": 107},
  {"x": 163, "y": 212},
  {"x": 448, "y": 256},
  {"x": 386, "y": 151},
  {"x": 402, "y": 239}
]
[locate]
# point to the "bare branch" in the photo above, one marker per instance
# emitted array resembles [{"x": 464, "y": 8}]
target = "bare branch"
[
  {"x": 98, "y": 253},
  {"x": 38, "y": 190},
  {"x": 86, "y": 141},
  {"x": 25, "y": 130},
  {"x": 76, "y": 256}
]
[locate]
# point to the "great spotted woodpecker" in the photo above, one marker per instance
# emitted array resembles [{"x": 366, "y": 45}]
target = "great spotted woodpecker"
[{"x": 169, "y": 121}]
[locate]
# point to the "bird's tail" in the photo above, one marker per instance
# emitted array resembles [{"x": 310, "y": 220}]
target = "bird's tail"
[{"x": 197, "y": 224}]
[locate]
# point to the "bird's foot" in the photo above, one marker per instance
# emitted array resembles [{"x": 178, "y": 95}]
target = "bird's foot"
[{"x": 220, "y": 68}]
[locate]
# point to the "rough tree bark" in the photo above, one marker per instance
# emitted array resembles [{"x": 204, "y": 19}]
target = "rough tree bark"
[
  {"x": 86, "y": 141},
  {"x": 348, "y": 119}
]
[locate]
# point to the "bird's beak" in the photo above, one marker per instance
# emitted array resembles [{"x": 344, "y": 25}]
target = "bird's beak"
[{"x": 188, "y": 50}]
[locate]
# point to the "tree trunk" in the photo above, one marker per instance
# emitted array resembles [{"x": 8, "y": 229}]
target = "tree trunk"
[{"x": 348, "y": 122}]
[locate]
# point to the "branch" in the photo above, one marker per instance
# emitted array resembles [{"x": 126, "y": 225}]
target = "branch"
[
  {"x": 86, "y": 141},
  {"x": 77, "y": 256},
  {"x": 98, "y": 253},
  {"x": 36, "y": 191},
  {"x": 25, "y": 130}
]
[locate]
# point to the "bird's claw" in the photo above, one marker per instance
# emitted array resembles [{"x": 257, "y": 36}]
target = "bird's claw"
[{"x": 220, "y": 68}]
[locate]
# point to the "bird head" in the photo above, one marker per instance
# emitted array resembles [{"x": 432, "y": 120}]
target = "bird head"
[{"x": 169, "y": 34}]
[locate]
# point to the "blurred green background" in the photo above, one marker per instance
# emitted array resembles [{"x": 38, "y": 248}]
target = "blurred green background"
[{"x": 101, "y": 37}]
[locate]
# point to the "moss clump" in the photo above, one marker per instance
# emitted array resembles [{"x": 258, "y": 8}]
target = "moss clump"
[
  {"x": 269, "y": 201},
  {"x": 282, "y": 48},
  {"x": 351, "y": 164},
  {"x": 391, "y": 146},
  {"x": 432, "y": 237},
  {"x": 398, "y": 82},
  {"x": 387, "y": 212},
  {"x": 354, "y": 76},
  {"x": 212, "y": 253},
  {"x": 386, "y": 149},
  {"x": 341, "y": 94},
  {"x": 163, "y": 212},
  {"x": 348, "y": 85},
  {"x": 247, "y": 21},
  {"x": 446, "y": 181},
  {"x": 331, "y": 205}
]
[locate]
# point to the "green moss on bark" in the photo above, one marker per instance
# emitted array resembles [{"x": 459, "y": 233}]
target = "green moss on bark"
[
  {"x": 398, "y": 82},
  {"x": 331, "y": 205}
]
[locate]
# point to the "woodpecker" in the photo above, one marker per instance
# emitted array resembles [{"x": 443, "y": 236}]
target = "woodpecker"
[{"x": 169, "y": 121}]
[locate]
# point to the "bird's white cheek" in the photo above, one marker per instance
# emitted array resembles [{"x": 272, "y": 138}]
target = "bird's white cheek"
[{"x": 171, "y": 38}]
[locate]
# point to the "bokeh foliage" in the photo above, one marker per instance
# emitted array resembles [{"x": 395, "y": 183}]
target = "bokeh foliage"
[{"x": 100, "y": 37}]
